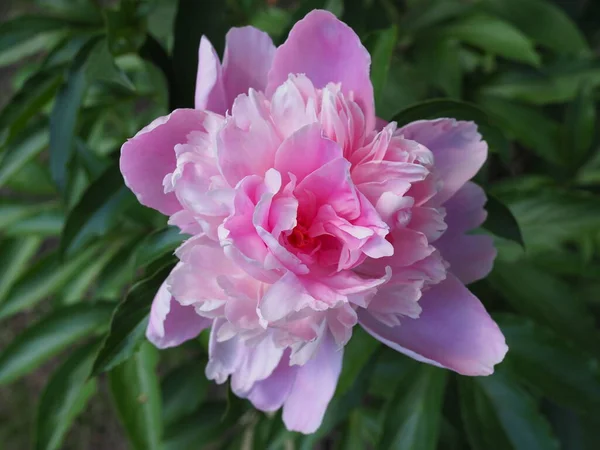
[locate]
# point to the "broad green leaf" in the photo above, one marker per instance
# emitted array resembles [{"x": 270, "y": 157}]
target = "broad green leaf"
[
  {"x": 15, "y": 256},
  {"x": 129, "y": 322},
  {"x": 546, "y": 299},
  {"x": 41, "y": 341},
  {"x": 405, "y": 86},
  {"x": 413, "y": 418},
  {"x": 33, "y": 170},
  {"x": 356, "y": 354},
  {"x": 64, "y": 398},
  {"x": 493, "y": 35},
  {"x": 433, "y": 14},
  {"x": 118, "y": 273},
  {"x": 35, "y": 93},
  {"x": 527, "y": 125},
  {"x": 543, "y": 22},
  {"x": 442, "y": 108},
  {"x": 47, "y": 223},
  {"x": 78, "y": 11},
  {"x": 99, "y": 209},
  {"x": 272, "y": 20},
  {"x": 158, "y": 244},
  {"x": 580, "y": 127},
  {"x": 18, "y": 154},
  {"x": 550, "y": 217},
  {"x": 63, "y": 119},
  {"x": 12, "y": 212},
  {"x": 381, "y": 45},
  {"x": 26, "y": 35},
  {"x": 126, "y": 27},
  {"x": 76, "y": 288},
  {"x": 499, "y": 414},
  {"x": 136, "y": 394},
  {"x": 183, "y": 391},
  {"x": 554, "y": 84},
  {"x": 198, "y": 430},
  {"x": 549, "y": 364},
  {"x": 439, "y": 62},
  {"x": 501, "y": 222},
  {"x": 101, "y": 66},
  {"x": 45, "y": 278}
]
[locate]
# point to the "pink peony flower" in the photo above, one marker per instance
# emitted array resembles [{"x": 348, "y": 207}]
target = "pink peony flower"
[{"x": 307, "y": 219}]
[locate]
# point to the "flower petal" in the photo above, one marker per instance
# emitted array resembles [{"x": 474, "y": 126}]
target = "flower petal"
[
  {"x": 149, "y": 156},
  {"x": 210, "y": 93},
  {"x": 471, "y": 257},
  {"x": 457, "y": 147},
  {"x": 305, "y": 151},
  {"x": 454, "y": 331},
  {"x": 171, "y": 323},
  {"x": 246, "y": 62},
  {"x": 327, "y": 51},
  {"x": 270, "y": 393},
  {"x": 313, "y": 389}
]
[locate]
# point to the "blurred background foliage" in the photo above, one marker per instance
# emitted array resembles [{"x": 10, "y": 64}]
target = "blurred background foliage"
[{"x": 81, "y": 259}]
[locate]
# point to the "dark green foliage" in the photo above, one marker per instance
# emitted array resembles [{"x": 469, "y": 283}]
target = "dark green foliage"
[{"x": 84, "y": 259}]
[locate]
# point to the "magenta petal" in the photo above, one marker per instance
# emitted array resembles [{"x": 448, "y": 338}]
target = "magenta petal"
[
  {"x": 305, "y": 151},
  {"x": 454, "y": 331},
  {"x": 313, "y": 388},
  {"x": 465, "y": 210},
  {"x": 471, "y": 257},
  {"x": 210, "y": 92},
  {"x": 246, "y": 62},
  {"x": 270, "y": 393},
  {"x": 327, "y": 51},
  {"x": 457, "y": 148},
  {"x": 150, "y": 155},
  {"x": 171, "y": 323}
]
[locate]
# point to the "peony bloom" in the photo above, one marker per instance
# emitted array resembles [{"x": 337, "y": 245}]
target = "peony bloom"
[{"x": 306, "y": 219}]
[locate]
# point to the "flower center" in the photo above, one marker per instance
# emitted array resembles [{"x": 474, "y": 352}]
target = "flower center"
[{"x": 300, "y": 238}]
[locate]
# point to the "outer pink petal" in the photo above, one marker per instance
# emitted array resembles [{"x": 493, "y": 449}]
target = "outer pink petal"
[
  {"x": 327, "y": 51},
  {"x": 313, "y": 389},
  {"x": 171, "y": 323},
  {"x": 457, "y": 147},
  {"x": 465, "y": 210},
  {"x": 471, "y": 257},
  {"x": 270, "y": 393},
  {"x": 453, "y": 331},
  {"x": 305, "y": 151},
  {"x": 150, "y": 155},
  {"x": 246, "y": 62},
  {"x": 210, "y": 92}
]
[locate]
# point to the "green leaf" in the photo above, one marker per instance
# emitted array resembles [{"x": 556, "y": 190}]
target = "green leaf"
[
  {"x": 12, "y": 212},
  {"x": 432, "y": 14},
  {"x": 129, "y": 322},
  {"x": 136, "y": 394},
  {"x": 501, "y": 222},
  {"x": 35, "y": 93},
  {"x": 439, "y": 62},
  {"x": 41, "y": 341},
  {"x": 442, "y": 108},
  {"x": 539, "y": 295},
  {"x": 550, "y": 216},
  {"x": 356, "y": 354},
  {"x": 79, "y": 11},
  {"x": 18, "y": 154},
  {"x": 545, "y": 23},
  {"x": 15, "y": 256},
  {"x": 580, "y": 127},
  {"x": 183, "y": 391},
  {"x": 99, "y": 209},
  {"x": 199, "y": 429},
  {"x": 45, "y": 278},
  {"x": 63, "y": 119},
  {"x": 101, "y": 66},
  {"x": 493, "y": 35},
  {"x": 413, "y": 418},
  {"x": 527, "y": 125},
  {"x": 555, "y": 84},
  {"x": 33, "y": 170},
  {"x": 64, "y": 398},
  {"x": 499, "y": 414},
  {"x": 548, "y": 363},
  {"x": 381, "y": 45},
  {"x": 45, "y": 224},
  {"x": 27, "y": 35},
  {"x": 405, "y": 86},
  {"x": 126, "y": 27},
  {"x": 157, "y": 245}
]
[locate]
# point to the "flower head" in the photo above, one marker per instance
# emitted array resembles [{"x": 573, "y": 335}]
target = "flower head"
[{"x": 306, "y": 218}]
